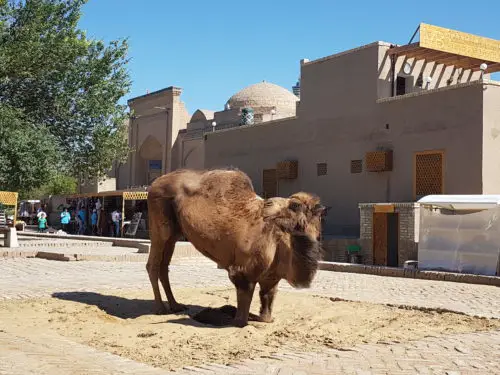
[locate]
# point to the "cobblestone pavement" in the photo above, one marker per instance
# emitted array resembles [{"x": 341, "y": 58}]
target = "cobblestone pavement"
[
  {"x": 22, "y": 278},
  {"x": 476, "y": 353},
  {"x": 27, "y": 241}
]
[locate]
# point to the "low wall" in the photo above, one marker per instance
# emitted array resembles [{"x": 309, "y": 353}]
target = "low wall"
[
  {"x": 410, "y": 273},
  {"x": 336, "y": 249},
  {"x": 182, "y": 249}
]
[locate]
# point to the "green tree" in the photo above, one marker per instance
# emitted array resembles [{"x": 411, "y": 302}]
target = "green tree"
[
  {"x": 59, "y": 184},
  {"x": 65, "y": 83},
  {"x": 28, "y": 154}
]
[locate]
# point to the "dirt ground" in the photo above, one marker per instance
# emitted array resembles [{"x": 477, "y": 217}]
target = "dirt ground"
[{"x": 123, "y": 324}]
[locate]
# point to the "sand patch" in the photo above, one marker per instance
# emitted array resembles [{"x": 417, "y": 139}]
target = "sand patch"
[{"x": 123, "y": 324}]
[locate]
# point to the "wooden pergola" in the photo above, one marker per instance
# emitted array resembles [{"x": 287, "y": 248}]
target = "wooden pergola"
[
  {"x": 451, "y": 48},
  {"x": 125, "y": 195},
  {"x": 9, "y": 198}
]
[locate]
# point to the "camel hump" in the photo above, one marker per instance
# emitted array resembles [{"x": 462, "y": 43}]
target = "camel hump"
[{"x": 208, "y": 182}]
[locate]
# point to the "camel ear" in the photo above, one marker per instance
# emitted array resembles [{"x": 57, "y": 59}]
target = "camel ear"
[{"x": 320, "y": 210}]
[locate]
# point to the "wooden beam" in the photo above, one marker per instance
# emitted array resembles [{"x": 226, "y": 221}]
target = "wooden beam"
[
  {"x": 468, "y": 64},
  {"x": 428, "y": 55},
  {"x": 433, "y": 57},
  {"x": 450, "y": 60},
  {"x": 401, "y": 50},
  {"x": 416, "y": 54},
  {"x": 492, "y": 67}
]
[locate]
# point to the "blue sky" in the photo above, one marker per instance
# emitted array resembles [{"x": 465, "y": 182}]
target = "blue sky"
[{"x": 212, "y": 49}]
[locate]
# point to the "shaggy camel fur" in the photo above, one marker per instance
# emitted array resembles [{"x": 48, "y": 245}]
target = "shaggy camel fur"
[{"x": 255, "y": 240}]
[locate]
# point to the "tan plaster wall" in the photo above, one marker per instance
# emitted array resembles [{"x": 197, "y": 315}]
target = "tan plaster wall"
[
  {"x": 336, "y": 126},
  {"x": 491, "y": 140}
]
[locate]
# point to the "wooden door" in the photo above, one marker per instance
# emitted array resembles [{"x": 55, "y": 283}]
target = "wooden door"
[
  {"x": 269, "y": 183},
  {"x": 379, "y": 239},
  {"x": 392, "y": 239}
]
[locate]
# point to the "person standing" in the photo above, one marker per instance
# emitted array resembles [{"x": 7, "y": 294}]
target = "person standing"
[
  {"x": 42, "y": 223},
  {"x": 115, "y": 218},
  {"x": 81, "y": 221},
  {"x": 65, "y": 219},
  {"x": 93, "y": 220}
]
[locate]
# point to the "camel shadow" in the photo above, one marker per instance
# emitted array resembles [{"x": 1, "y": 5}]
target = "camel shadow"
[{"x": 125, "y": 308}]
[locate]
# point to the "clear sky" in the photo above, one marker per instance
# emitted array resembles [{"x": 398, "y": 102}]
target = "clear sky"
[{"x": 212, "y": 49}]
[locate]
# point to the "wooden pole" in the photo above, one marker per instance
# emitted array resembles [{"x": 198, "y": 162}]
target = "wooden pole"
[{"x": 123, "y": 214}]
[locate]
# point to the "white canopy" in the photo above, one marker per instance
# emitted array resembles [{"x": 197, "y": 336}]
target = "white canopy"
[{"x": 462, "y": 202}]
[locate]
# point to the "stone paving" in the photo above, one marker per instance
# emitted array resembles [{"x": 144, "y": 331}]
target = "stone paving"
[
  {"x": 66, "y": 241},
  {"x": 21, "y": 278},
  {"x": 475, "y": 353}
]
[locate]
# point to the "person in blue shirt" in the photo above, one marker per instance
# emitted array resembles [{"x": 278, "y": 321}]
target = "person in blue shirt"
[
  {"x": 81, "y": 217},
  {"x": 65, "y": 219},
  {"x": 93, "y": 220},
  {"x": 42, "y": 223}
]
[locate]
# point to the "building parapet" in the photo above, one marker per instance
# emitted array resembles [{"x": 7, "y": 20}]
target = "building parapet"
[
  {"x": 175, "y": 90},
  {"x": 349, "y": 51},
  {"x": 199, "y": 133},
  {"x": 396, "y": 205},
  {"x": 485, "y": 82},
  {"x": 240, "y": 127}
]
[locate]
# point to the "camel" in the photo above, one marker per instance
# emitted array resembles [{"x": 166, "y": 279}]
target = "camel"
[{"x": 256, "y": 240}]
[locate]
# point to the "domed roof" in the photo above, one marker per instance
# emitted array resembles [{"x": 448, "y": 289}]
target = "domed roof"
[{"x": 264, "y": 94}]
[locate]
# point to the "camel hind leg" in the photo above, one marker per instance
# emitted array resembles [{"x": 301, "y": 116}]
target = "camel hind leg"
[
  {"x": 164, "y": 277},
  {"x": 164, "y": 233},
  {"x": 153, "y": 267}
]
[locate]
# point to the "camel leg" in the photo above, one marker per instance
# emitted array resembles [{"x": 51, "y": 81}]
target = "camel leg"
[
  {"x": 244, "y": 294},
  {"x": 153, "y": 267},
  {"x": 167, "y": 257},
  {"x": 268, "y": 290},
  {"x": 164, "y": 232}
]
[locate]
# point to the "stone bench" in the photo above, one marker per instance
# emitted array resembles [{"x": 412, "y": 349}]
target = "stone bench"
[{"x": 10, "y": 236}]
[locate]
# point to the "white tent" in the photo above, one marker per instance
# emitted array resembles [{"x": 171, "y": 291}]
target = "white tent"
[
  {"x": 461, "y": 202},
  {"x": 460, "y": 233}
]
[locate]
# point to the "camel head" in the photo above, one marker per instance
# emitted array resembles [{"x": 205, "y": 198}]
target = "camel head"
[
  {"x": 314, "y": 211},
  {"x": 299, "y": 219}
]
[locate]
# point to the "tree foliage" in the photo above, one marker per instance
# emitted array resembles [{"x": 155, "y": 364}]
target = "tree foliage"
[
  {"x": 59, "y": 184},
  {"x": 28, "y": 153},
  {"x": 65, "y": 83}
]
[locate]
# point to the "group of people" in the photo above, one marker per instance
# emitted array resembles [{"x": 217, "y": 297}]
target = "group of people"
[{"x": 96, "y": 227}]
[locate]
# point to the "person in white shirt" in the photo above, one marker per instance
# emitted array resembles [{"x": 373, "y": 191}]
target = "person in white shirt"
[{"x": 115, "y": 218}]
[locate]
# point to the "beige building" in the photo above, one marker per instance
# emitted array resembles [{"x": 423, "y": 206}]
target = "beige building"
[{"x": 378, "y": 123}]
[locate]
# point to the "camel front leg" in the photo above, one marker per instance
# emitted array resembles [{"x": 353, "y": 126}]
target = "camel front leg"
[
  {"x": 268, "y": 290},
  {"x": 244, "y": 294}
]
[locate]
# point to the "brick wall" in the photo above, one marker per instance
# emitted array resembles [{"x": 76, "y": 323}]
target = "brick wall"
[
  {"x": 366, "y": 234},
  {"x": 407, "y": 246},
  {"x": 336, "y": 249}
]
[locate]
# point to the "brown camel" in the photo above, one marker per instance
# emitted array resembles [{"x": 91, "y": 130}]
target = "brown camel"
[{"x": 255, "y": 240}]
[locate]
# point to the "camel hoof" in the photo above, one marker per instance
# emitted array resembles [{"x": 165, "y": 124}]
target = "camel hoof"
[
  {"x": 266, "y": 319},
  {"x": 160, "y": 309},
  {"x": 177, "y": 307},
  {"x": 239, "y": 323}
]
